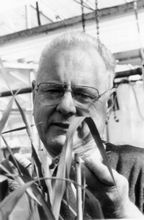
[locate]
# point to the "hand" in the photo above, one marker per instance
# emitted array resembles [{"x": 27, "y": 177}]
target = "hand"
[{"x": 114, "y": 199}]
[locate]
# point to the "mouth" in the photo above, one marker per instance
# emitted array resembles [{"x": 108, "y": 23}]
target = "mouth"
[
  {"x": 61, "y": 125},
  {"x": 64, "y": 126}
]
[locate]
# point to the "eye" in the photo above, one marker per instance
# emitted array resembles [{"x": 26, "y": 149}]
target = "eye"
[
  {"x": 50, "y": 90},
  {"x": 83, "y": 96}
]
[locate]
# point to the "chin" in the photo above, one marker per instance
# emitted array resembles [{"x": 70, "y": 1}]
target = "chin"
[{"x": 54, "y": 145}]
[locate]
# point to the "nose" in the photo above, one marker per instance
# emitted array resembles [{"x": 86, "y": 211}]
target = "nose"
[{"x": 66, "y": 105}]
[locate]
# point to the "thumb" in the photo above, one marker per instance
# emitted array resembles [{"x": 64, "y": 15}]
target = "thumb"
[{"x": 95, "y": 170}]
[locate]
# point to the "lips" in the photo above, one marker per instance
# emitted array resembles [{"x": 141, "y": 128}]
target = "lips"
[{"x": 61, "y": 125}]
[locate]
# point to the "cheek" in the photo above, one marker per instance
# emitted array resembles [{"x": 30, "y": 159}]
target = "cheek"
[
  {"x": 42, "y": 116},
  {"x": 39, "y": 120}
]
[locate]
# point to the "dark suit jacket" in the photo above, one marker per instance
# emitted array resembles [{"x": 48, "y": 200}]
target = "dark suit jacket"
[{"x": 129, "y": 161}]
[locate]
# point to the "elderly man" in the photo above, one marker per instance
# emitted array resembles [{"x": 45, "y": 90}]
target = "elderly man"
[{"x": 74, "y": 79}]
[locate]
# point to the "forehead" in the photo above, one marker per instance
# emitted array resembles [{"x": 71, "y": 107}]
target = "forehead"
[{"x": 72, "y": 65}]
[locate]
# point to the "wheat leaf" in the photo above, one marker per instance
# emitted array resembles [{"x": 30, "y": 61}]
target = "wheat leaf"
[
  {"x": 2, "y": 178},
  {"x": 64, "y": 167},
  {"x": 66, "y": 158},
  {"x": 34, "y": 153},
  {"x": 15, "y": 129},
  {"x": 95, "y": 134},
  {"x": 8, "y": 204},
  {"x": 5, "y": 170},
  {"x": 94, "y": 131},
  {"x": 6, "y": 115},
  {"x": 46, "y": 206},
  {"x": 11, "y": 153},
  {"x": 24, "y": 119},
  {"x": 34, "y": 192},
  {"x": 23, "y": 172}
]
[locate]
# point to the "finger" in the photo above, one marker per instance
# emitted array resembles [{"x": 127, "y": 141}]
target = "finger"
[
  {"x": 94, "y": 163},
  {"x": 101, "y": 171}
]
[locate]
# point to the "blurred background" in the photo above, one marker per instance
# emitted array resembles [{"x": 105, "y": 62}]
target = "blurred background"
[{"x": 27, "y": 26}]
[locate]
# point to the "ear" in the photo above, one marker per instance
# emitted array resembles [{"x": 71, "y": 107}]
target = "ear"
[
  {"x": 105, "y": 96},
  {"x": 33, "y": 89},
  {"x": 110, "y": 98}
]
